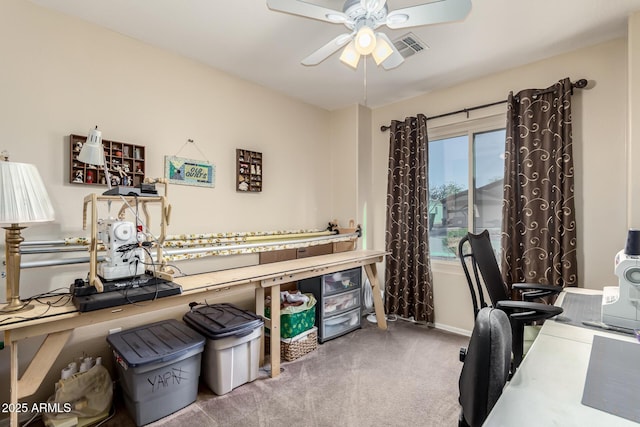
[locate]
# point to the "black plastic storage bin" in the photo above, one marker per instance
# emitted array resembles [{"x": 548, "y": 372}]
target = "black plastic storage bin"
[
  {"x": 232, "y": 351},
  {"x": 158, "y": 366}
]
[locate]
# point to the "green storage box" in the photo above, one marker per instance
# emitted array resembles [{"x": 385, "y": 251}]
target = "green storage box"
[{"x": 295, "y": 320}]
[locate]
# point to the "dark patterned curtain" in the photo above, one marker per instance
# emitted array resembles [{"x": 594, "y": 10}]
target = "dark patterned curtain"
[
  {"x": 538, "y": 217},
  {"x": 408, "y": 280}
]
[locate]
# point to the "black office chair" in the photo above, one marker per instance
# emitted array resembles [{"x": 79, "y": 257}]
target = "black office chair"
[
  {"x": 486, "y": 366},
  {"x": 520, "y": 313}
]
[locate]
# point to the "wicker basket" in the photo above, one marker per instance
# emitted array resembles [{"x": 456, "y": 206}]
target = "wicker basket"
[{"x": 296, "y": 347}]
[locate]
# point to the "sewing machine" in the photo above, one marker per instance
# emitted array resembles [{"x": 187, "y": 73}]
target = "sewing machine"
[
  {"x": 621, "y": 304},
  {"x": 124, "y": 257}
]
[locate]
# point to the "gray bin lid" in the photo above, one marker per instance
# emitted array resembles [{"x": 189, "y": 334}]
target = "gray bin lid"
[
  {"x": 154, "y": 343},
  {"x": 223, "y": 320}
]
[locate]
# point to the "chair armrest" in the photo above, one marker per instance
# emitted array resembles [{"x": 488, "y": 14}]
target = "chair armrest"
[
  {"x": 528, "y": 311},
  {"x": 531, "y": 291}
]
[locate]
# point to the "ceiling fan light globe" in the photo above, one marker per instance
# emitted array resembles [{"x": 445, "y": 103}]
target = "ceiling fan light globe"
[
  {"x": 350, "y": 55},
  {"x": 382, "y": 50},
  {"x": 365, "y": 41}
]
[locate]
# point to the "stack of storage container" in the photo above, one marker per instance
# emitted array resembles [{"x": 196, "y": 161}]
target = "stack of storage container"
[{"x": 159, "y": 364}]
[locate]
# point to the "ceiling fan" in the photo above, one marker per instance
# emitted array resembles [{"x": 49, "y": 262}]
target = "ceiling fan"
[{"x": 362, "y": 18}]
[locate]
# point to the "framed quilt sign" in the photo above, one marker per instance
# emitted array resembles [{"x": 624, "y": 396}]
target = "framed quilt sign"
[{"x": 179, "y": 170}]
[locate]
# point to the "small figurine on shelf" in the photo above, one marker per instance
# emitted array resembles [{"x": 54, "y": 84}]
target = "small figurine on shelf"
[
  {"x": 77, "y": 146},
  {"x": 89, "y": 177},
  {"x": 139, "y": 168},
  {"x": 79, "y": 177},
  {"x": 115, "y": 180},
  {"x": 103, "y": 180}
]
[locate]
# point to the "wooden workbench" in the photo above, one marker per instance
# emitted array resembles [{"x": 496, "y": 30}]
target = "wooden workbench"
[{"x": 58, "y": 322}]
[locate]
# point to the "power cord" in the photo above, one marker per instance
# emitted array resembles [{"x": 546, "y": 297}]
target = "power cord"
[{"x": 64, "y": 298}]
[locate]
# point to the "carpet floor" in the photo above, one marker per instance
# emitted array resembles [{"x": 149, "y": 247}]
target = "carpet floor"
[{"x": 404, "y": 376}]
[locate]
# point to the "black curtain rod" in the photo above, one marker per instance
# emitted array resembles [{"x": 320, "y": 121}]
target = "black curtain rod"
[{"x": 580, "y": 84}]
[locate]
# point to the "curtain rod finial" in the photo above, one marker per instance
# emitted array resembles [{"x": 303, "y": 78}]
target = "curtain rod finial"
[{"x": 581, "y": 84}]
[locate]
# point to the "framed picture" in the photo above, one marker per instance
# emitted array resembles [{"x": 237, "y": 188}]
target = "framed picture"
[{"x": 179, "y": 170}]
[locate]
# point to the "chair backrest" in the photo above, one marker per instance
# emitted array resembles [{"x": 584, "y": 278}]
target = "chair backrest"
[
  {"x": 486, "y": 366},
  {"x": 485, "y": 259},
  {"x": 475, "y": 286}
]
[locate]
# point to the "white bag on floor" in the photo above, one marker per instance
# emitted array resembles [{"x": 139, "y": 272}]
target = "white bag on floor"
[{"x": 85, "y": 394}]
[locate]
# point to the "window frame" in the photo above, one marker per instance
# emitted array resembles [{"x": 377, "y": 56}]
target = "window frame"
[{"x": 468, "y": 127}]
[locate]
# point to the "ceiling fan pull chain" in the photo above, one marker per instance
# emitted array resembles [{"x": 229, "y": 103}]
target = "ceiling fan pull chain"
[{"x": 365, "y": 81}]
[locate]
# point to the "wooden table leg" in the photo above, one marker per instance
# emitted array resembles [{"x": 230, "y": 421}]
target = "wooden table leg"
[
  {"x": 275, "y": 331},
  {"x": 259, "y": 294},
  {"x": 36, "y": 371},
  {"x": 13, "y": 379},
  {"x": 372, "y": 274}
]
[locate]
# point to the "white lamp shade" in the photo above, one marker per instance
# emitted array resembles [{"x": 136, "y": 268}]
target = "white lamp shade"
[
  {"x": 350, "y": 55},
  {"x": 23, "y": 196},
  {"x": 382, "y": 50},
  {"x": 92, "y": 151}
]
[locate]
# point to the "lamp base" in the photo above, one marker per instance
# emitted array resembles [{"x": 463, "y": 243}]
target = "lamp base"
[
  {"x": 14, "y": 306},
  {"x": 13, "y": 238}
]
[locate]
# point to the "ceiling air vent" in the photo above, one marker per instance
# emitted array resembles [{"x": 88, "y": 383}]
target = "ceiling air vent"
[{"x": 409, "y": 45}]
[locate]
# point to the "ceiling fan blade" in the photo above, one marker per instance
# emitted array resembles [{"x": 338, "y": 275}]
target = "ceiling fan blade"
[
  {"x": 328, "y": 49},
  {"x": 308, "y": 10},
  {"x": 395, "y": 59},
  {"x": 429, "y": 13}
]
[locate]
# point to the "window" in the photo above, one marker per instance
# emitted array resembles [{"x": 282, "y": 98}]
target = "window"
[{"x": 465, "y": 156}]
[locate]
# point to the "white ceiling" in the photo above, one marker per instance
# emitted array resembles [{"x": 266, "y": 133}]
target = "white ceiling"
[{"x": 246, "y": 39}]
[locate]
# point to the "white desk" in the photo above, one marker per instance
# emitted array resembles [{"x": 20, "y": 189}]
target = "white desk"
[{"x": 547, "y": 388}]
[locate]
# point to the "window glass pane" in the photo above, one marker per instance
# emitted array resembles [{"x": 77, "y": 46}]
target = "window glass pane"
[
  {"x": 448, "y": 194},
  {"x": 488, "y": 156}
]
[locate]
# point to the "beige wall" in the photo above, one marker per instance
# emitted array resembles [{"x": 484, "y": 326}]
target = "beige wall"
[
  {"x": 633, "y": 147},
  {"x": 59, "y": 76},
  {"x": 599, "y": 130},
  {"x": 342, "y": 174},
  {"x": 365, "y": 174}
]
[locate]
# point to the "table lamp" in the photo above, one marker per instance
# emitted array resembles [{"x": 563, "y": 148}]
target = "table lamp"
[
  {"x": 92, "y": 153},
  {"x": 23, "y": 200}
]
